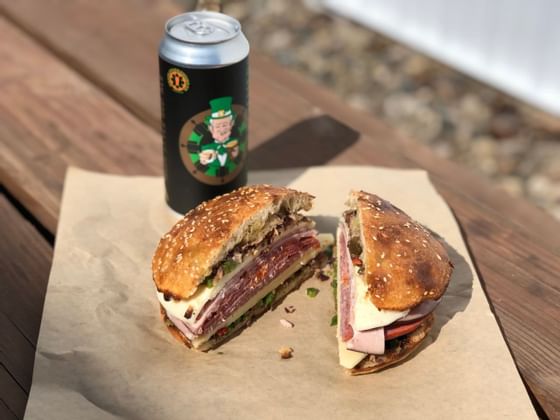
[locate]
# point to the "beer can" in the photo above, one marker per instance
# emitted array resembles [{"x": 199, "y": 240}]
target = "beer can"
[{"x": 203, "y": 61}]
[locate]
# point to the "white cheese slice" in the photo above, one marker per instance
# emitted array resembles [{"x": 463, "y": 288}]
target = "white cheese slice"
[
  {"x": 366, "y": 314},
  {"x": 348, "y": 358}
]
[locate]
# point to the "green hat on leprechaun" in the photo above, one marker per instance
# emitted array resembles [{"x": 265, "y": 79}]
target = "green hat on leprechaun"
[{"x": 221, "y": 108}]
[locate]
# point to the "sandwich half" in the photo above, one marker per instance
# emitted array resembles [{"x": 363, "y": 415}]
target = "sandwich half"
[
  {"x": 391, "y": 274},
  {"x": 231, "y": 259}
]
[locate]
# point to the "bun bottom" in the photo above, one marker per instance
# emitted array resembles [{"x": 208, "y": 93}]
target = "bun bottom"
[
  {"x": 401, "y": 348},
  {"x": 291, "y": 284}
]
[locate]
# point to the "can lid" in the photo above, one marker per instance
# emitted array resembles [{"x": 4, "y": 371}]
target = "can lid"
[{"x": 203, "y": 27}]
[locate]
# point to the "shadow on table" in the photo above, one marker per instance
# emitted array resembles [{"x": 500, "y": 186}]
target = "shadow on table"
[{"x": 311, "y": 142}]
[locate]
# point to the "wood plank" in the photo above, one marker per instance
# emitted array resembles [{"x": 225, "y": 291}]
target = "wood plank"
[
  {"x": 92, "y": 49},
  {"x": 17, "y": 354},
  {"x": 7, "y": 413},
  {"x": 287, "y": 110},
  {"x": 62, "y": 26},
  {"x": 43, "y": 131},
  {"x": 13, "y": 399},
  {"x": 25, "y": 258}
]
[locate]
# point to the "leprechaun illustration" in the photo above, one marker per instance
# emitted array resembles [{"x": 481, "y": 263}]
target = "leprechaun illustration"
[{"x": 222, "y": 152}]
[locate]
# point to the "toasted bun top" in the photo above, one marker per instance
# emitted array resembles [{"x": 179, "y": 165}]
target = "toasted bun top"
[
  {"x": 187, "y": 253},
  {"x": 404, "y": 263}
]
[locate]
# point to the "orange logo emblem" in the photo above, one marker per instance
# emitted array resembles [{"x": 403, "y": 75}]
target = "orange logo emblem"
[{"x": 177, "y": 80}]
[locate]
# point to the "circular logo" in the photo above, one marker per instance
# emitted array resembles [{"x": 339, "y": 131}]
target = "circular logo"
[
  {"x": 213, "y": 145},
  {"x": 177, "y": 80}
]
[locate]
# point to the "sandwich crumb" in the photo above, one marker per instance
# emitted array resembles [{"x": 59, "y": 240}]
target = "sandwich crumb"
[
  {"x": 290, "y": 309},
  {"x": 287, "y": 324},
  {"x": 286, "y": 352},
  {"x": 322, "y": 276}
]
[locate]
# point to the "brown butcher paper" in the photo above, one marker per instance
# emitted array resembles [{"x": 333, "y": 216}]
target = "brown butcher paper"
[{"x": 104, "y": 352}]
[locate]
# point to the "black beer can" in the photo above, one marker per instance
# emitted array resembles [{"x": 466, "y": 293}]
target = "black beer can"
[{"x": 203, "y": 62}]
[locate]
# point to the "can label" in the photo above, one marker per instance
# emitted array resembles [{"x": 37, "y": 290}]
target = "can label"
[{"x": 204, "y": 123}]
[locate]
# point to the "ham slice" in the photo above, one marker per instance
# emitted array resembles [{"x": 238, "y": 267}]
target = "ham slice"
[
  {"x": 345, "y": 287},
  {"x": 370, "y": 341}
]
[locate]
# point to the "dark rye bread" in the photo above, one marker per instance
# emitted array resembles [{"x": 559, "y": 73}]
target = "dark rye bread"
[
  {"x": 188, "y": 252},
  {"x": 400, "y": 349},
  {"x": 291, "y": 284},
  {"x": 404, "y": 264}
]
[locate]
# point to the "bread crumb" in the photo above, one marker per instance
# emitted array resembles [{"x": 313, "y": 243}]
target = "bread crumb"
[
  {"x": 286, "y": 352},
  {"x": 290, "y": 309},
  {"x": 286, "y": 323}
]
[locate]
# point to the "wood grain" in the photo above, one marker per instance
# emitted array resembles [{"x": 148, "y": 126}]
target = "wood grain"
[
  {"x": 25, "y": 259},
  {"x": 13, "y": 400},
  {"x": 516, "y": 247},
  {"x": 53, "y": 117}
]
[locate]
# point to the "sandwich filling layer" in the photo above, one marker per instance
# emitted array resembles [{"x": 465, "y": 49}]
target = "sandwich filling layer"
[
  {"x": 212, "y": 308},
  {"x": 363, "y": 329}
]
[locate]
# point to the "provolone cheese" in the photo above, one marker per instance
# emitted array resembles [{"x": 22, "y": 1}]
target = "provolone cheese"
[
  {"x": 348, "y": 358},
  {"x": 366, "y": 314}
]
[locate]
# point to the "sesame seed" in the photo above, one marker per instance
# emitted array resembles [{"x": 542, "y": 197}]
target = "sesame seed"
[{"x": 438, "y": 257}]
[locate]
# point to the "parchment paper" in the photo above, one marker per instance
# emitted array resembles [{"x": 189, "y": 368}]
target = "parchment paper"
[{"x": 103, "y": 351}]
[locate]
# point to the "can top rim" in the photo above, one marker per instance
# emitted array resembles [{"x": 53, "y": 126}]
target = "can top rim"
[{"x": 202, "y": 27}]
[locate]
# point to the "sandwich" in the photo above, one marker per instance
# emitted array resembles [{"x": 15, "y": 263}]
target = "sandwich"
[
  {"x": 231, "y": 259},
  {"x": 391, "y": 275}
]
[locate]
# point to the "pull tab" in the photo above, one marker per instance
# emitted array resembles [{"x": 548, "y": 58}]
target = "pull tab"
[{"x": 199, "y": 27}]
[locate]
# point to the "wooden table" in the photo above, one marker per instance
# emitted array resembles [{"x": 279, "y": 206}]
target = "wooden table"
[{"x": 79, "y": 86}]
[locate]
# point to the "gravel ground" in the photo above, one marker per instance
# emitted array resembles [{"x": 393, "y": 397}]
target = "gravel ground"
[{"x": 516, "y": 146}]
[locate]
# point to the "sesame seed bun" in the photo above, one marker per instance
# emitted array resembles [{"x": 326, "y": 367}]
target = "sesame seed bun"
[
  {"x": 403, "y": 348},
  {"x": 204, "y": 237},
  {"x": 404, "y": 264}
]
